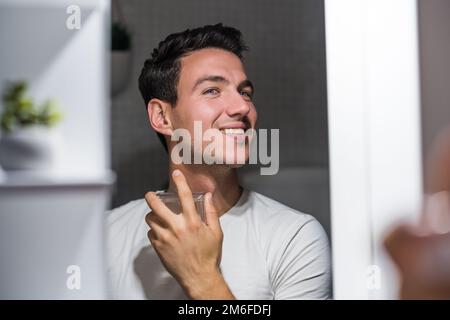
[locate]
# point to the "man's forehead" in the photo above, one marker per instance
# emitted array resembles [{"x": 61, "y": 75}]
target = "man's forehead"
[
  {"x": 210, "y": 53},
  {"x": 210, "y": 61}
]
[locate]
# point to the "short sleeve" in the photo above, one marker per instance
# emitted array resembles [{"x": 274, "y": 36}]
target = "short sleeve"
[{"x": 301, "y": 266}]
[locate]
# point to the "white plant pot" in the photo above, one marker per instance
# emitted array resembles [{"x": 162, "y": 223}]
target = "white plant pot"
[
  {"x": 120, "y": 70},
  {"x": 29, "y": 148}
]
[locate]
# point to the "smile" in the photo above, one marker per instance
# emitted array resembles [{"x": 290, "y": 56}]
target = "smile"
[{"x": 233, "y": 131}]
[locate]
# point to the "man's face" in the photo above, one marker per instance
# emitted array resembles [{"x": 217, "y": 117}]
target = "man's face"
[{"x": 213, "y": 88}]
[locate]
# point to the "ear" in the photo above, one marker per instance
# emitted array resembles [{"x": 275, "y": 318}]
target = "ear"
[{"x": 159, "y": 116}]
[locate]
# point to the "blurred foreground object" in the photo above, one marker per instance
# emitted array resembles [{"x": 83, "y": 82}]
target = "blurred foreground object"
[
  {"x": 28, "y": 140},
  {"x": 422, "y": 253},
  {"x": 52, "y": 220},
  {"x": 20, "y": 110}
]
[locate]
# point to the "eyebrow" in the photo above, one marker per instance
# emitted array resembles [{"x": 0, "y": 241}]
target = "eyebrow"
[{"x": 244, "y": 84}]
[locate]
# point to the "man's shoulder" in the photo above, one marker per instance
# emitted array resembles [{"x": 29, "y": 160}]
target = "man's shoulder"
[
  {"x": 126, "y": 220},
  {"x": 291, "y": 240},
  {"x": 273, "y": 220},
  {"x": 127, "y": 212},
  {"x": 126, "y": 230},
  {"x": 267, "y": 208}
]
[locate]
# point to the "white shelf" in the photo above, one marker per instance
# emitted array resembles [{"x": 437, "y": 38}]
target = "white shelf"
[
  {"x": 54, "y": 3},
  {"x": 18, "y": 179}
]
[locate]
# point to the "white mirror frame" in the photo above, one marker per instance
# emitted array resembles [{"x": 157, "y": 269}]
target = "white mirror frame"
[{"x": 374, "y": 137}]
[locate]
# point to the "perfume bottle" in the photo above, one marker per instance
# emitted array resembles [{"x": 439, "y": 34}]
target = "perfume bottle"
[{"x": 172, "y": 201}]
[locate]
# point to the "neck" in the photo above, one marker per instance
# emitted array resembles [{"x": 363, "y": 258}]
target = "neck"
[{"x": 221, "y": 181}]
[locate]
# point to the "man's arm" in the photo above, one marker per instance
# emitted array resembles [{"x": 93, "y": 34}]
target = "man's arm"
[
  {"x": 209, "y": 287},
  {"x": 189, "y": 249}
]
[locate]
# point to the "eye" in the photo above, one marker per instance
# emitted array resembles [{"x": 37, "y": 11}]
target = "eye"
[
  {"x": 211, "y": 91},
  {"x": 247, "y": 95}
]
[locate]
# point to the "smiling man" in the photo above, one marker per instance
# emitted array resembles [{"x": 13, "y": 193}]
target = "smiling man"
[{"x": 250, "y": 246}]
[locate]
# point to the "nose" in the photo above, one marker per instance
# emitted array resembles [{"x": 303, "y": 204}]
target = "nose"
[{"x": 238, "y": 106}]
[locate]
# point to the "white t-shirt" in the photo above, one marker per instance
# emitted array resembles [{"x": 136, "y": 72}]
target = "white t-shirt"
[{"x": 270, "y": 251}]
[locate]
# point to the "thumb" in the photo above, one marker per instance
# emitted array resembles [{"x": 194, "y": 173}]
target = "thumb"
[
  {"x": 438, "y": 164},
  {"x": 212, "y": 216}
]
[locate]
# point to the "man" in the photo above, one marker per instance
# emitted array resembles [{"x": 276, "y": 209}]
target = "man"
[{"x": 249, "y": 247}]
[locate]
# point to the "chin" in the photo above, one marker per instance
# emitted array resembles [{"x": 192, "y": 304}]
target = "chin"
[{"x": 233, "y": 161}]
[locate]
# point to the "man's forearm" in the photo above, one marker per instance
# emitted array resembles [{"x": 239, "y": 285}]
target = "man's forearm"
[{"x": 211, "y": 287}]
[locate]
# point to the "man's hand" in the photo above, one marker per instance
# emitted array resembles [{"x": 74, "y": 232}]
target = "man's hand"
[
  {"x": 423, "y": 260},
  {"x": 421, "y": 252},
  {"x": 189, "y": 249}
]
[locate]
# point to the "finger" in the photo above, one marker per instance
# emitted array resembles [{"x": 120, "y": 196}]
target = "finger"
[
  {"x": 153, "y": 218},
  {"x": 185, "y": 195},
  {"x": 157, "y": 232},
  {"x": 436, "y": 215},
  {"x": 151, "y": 235},
  {"x": 159, "y": 208},
  {"x": 438, "y": 164},
  {"x": 212, "y": 216}
]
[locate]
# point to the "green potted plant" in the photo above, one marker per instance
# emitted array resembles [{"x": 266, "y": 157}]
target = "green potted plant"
[
  {"x": 28, "y": 140},
  {"x": 120, "y": 57}
]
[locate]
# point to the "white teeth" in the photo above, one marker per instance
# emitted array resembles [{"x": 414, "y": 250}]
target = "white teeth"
[{"x": 234, "y": 131}]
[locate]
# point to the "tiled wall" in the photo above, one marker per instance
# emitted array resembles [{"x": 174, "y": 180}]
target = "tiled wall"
[{"x": 286, "y": 62}]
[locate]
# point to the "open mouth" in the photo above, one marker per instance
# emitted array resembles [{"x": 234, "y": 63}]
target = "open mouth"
[
  {"x": 233, "y": 131},
  {"x": 238, "y": 128},
  {"x": 236, "y": 134}
]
